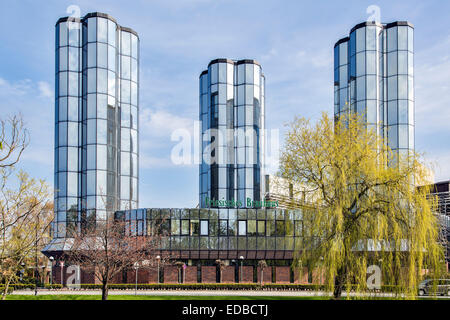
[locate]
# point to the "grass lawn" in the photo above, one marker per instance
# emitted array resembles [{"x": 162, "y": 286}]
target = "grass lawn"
[{"x": 138, "y": 297}]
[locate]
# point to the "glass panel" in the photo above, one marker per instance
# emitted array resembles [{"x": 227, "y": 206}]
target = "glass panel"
[
  {"x": 403, "y": 87},
  {"x": 111, "y": 33},
  {"x": 92, "y": 29},
  {"x": 102, "y": 55},
  {"x": 134, "y": 46},
  {"x": 392, "y": 63},
  {"x": 102, "y": 34},
  {"x": 62, "y": 133},
  {"x": 249, "y": 73},
  {"x": 392, "y": 88},
  {"x": 403, "y": 136},
  {"x": 371, "y": 87},
  {"x": 73, "y": 134},
  {"x": 360, "y": 39},
  {"x": 371, "y": 62},
  {"x": 73, "y": 59},
  {"x": 92, "y": 55},
  {"x": 126, "y": 67},
  {"x": 63, "y": 84},
  {"x": 126, "y": 45},
  {"x": 92, "y": 80},
  {"x": 402, "y": 62},
  {"x": 360, "y": 64},
  {"x": 62, "y": 109},
  {"x": 63, "y": 34},
  {"x": 72, "y": 159},
  {"x": 403, "y": 38},
  {"x": 63, "y": 59},
  {"x": 361, "y": 88},
  {"x": 392, "y": 113},
  {"x": 392, "y": 137},
  {"x": 392, "y": 39},
  {"x": 204, "y": 228},
  {"x": 214, "y": 73},
  {"x": 371, "y": 38},
  {"x": 102, "y": 81},
  {"x": 242, "y": 228}
]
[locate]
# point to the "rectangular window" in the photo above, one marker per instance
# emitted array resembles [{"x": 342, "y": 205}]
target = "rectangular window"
[
  {"x": 195, "y": 228},
  {"x": 184, "y": 227},
  {"x": 280, "y": 228},
  {"x": 223, "y": 227},
  {"x": 251, "y": 226},
  {"x": 175, "y": 227},
  {"x": 242, "y": 228},
  {"x": 261, "y": 227},
  {"x": 204, "y": 227}
]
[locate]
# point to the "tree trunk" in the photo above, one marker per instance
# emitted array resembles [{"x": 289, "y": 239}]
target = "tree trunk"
[
  {"x": 104, "y": 290},
  {"x": 262, "y": 275},
  {"x": 5, "y": 291},
  {"x": 339, "y": 282},
  {"x": 220, "y": 275}
]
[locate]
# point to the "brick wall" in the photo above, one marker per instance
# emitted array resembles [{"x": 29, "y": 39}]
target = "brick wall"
[
  {"x": 301, "y": 277},
  {"x": 247, "y": 274},
  {"x": 267, "y": 275},
  {"x": 282, "y": 274},
  {"x": 209, "y": 274},
  {"x": 228, "y": 274},
  {"x": 190, "y": 274},
  {"x": 170, "y": 274}
]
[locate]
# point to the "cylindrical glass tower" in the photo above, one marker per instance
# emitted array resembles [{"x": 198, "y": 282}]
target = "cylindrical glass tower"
[
  {"x": 374, "y": 76},
  {"x": 233, "y": 124},
  {"x": 96, "y": 131}
]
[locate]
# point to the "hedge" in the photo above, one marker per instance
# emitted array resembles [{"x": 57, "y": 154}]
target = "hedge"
[
  {"x": 2, "y": 288},
  {"x": 205, "y": 286},
  {"x": 222, "y": 286}
]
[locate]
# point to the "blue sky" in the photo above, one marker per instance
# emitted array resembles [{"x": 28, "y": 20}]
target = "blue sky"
[{"x": 293, "y": 41}]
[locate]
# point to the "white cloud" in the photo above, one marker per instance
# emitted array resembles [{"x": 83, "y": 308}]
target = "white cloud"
[
  {"x": 162, "y": 123},
  {"x": 45, "y": 89}
]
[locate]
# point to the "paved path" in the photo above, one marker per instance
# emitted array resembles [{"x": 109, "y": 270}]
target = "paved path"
[{"x": 192, "y": 293}]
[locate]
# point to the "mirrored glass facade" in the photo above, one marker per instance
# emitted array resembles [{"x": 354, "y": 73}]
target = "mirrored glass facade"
[
  {"x": 262, "y": 231},
  {"x": 96, "y": 121},
  {"x": 232, "y": 114},
  {"x": 374, "y": 76}
]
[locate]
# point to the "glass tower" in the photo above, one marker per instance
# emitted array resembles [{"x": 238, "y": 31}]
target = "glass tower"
[
  {"x": 233, "y": 123},
  {"x": 374, "y": 76},
  {"x": 96, "y": 121}
]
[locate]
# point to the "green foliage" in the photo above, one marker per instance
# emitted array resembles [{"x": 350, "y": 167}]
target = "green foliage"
[{"x": 364, "y": 207}]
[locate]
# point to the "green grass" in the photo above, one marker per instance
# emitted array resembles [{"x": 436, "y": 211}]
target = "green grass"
[{"x": 151, "y": 297}]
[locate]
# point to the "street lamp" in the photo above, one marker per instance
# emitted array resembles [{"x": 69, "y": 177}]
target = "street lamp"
[
  {"x": 157, "y": 259},
  {"x": 51, "y": 270},
  {"x": 136, "y": 268},
  {"x": 242, "y": 260},
  {"x": 62, "y": 275},
  {"x": 22, "y": 272}
]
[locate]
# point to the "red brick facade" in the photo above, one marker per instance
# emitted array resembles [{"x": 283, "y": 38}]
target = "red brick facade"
[
  {"x": 228, "y": 274},
  {"x": 282, "y": 274},
  {"x": 247, "y": 274},
  {"x": 170, "y": 274},
  {"x": 267, "y": 275},
  {"x": 190, "y": 274},
  {"x": 209, "y": 274}
]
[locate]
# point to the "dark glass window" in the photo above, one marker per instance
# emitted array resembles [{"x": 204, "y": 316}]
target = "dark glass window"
[{"x": 223, "y": 227}]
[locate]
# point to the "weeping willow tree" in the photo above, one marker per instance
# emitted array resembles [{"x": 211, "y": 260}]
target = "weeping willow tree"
[{"x": 364, "y": 207}]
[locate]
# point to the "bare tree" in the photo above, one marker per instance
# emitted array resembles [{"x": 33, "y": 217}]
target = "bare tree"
[
  {"x": 13, "y": 140},
  {"x": 221, "y": 266},
  {"x": 262, "y": 265},
  {"x": 109, "y": 248},
  {"x": 25, "y": 215}
]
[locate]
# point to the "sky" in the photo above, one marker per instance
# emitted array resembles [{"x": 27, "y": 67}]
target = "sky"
[{"x": 293, "y": 41}]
